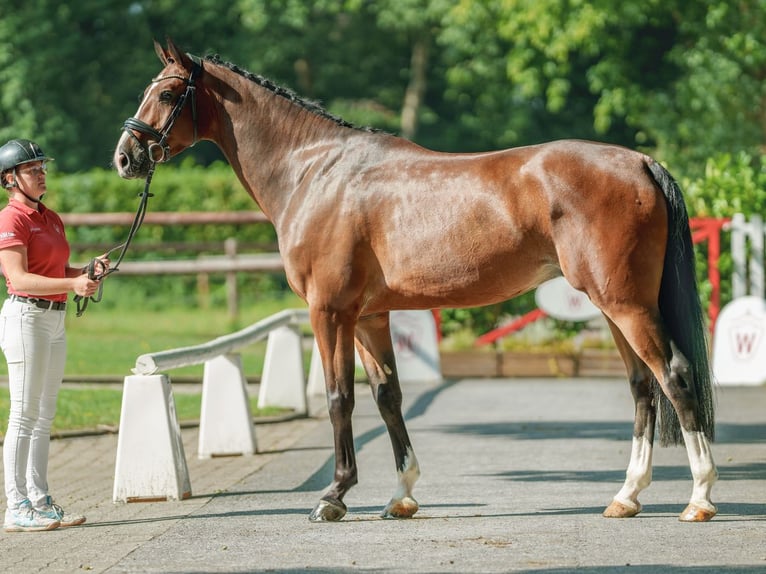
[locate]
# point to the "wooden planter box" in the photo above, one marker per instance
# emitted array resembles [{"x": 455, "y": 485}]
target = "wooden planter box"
[
  {"x": 456, "y": 364},
  {"x": 537, "y": 364},
  {"x": 588, "y": 363},
  {"x": 601, "y": 363}
]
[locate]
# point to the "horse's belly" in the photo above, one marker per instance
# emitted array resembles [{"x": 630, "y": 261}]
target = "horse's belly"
[{"x": 440, "y": 281}]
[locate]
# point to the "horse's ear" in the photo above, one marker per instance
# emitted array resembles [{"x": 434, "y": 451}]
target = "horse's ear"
[
  {"x": 174, "y": 53},
  {"x": 160, "y": 53}
]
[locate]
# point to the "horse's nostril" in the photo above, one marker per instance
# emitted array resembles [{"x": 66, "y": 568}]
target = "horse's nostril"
[{"x": 123, "y": 160}]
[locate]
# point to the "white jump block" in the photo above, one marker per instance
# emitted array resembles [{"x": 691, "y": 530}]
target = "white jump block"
[
  {"x": 283, "y": 383},
  {"x": 315, "y": 386},
  {"x": 151, "y": 464},
  {"x": 226, "y": 422},
  {"x": 416, "y": 350},
  {"x": 416, "y": 346},
  {"x": 562, "y": 301},
  {"x": 739, "y": 348}
]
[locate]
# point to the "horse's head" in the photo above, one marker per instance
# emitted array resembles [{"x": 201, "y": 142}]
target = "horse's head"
[{"x": 166, "y": 120}]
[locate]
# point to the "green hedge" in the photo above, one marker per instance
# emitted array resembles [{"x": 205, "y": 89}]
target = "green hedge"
[
  {"x": 186, "y": 187},
  {"x": 183, "y": 187}
]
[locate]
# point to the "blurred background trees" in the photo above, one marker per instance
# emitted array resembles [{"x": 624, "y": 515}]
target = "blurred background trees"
[{"x": 682, "y": 80}]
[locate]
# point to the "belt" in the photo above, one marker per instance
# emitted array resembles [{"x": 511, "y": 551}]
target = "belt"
[{"x": 41, "y": 303}]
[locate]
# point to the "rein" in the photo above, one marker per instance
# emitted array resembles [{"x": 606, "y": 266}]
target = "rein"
[{"x": 95, "y": 268}]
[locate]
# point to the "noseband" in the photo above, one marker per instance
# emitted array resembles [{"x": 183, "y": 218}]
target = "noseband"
[{"x": 160, "y": 146}]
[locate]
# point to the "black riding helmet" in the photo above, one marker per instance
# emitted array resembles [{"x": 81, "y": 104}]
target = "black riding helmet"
[{"x": 20, "y": 151}]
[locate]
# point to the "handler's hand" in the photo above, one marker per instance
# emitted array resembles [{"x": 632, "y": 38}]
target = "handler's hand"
[
  {"x": 85, "y": 286},
  {"x": 101, "y": 265}
]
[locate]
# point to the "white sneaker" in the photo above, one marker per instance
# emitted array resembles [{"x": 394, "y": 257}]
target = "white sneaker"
[
  {"x": 27, "y": 519},
  {"x": 55, "y": 512}
]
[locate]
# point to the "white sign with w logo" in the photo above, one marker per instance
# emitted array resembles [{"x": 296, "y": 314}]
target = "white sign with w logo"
[{"x": 738, "y": 354}]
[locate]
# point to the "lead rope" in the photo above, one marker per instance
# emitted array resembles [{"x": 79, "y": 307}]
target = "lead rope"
[{"x": 95, "y": 268}]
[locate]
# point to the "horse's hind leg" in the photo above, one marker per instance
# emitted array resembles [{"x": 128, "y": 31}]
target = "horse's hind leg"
[
  {"x": 644, "y": 332},
  {"x": 377, "y": 355},
  {"x": 639, "y": 473}
]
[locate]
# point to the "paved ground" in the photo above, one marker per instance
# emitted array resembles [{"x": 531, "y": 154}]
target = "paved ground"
[{"x": 515, "y": 476}]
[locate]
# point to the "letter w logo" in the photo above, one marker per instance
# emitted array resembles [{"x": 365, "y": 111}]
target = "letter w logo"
[
  {"x": 575, "y": 301},
  {"x": 745, "y": 342}
]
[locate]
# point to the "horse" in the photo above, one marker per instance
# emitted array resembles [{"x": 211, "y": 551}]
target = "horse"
[{"x": 368, "y": 222}]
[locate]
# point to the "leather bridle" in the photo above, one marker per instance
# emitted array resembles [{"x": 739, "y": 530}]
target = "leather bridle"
[{"x": 160, "y": 136}]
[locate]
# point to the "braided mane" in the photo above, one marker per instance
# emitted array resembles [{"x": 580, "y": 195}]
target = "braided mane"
[{"x": 311, "y": 106}]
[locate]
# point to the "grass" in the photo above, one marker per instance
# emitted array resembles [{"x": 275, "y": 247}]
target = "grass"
[{"x": 106, "y": 342}]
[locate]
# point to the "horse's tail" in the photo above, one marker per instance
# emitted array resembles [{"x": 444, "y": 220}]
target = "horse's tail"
[{"x": 682, "y": 313}]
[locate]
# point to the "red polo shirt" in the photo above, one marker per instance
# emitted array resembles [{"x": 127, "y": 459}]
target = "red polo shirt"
[{"x": 42, "y": 233}]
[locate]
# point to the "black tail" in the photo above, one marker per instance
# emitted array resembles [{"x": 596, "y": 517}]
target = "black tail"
[{"x": 682, "y": 313}]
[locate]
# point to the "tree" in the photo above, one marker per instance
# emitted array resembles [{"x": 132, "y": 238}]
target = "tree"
[
  {"x": 59, "y": 93},
  {"x": 718, "y": 101},
  {"x": 681, "y": 79},
  {"x": 72, "y": 94}
]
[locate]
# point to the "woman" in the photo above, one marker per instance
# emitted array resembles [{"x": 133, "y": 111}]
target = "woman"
[{"x": 34, "y": 255}]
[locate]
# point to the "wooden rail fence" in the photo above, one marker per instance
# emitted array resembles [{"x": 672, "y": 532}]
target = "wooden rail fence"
[{"x": 230, "y": 263}]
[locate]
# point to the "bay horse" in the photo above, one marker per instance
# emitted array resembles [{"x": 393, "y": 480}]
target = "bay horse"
[{"x": 368, "y": 222}]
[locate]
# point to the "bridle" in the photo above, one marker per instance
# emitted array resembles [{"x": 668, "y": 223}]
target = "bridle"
[
  {"x": 161, "y": 136},
  {"x": 95, "y": 268}
]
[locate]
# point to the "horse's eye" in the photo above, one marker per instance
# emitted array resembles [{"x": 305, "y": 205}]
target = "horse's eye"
[{"x": 166, "y": 96}]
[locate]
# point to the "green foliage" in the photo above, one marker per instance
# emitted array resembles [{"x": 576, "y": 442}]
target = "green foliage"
[
  {"x": 107, "y": 340},
  {"x": 681, "y": 79},
  {"x": 71, "y": 71},
  {"x": 483, "y": 319},
  {"x": 185, "y": 187},
  {"x": 729, "y": 184}
]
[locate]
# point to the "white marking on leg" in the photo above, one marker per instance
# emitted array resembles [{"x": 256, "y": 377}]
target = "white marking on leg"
[
  {"x": 407, "y": 476},
  {"x": 702, "y": 467},
  {"x": 402, "y": 504},
  {"x": 638, "y": 475}
]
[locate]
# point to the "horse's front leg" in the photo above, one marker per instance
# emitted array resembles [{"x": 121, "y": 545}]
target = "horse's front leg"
[
  {"x": 335, "y": 340},
  {"x": 377, "y": 354}
]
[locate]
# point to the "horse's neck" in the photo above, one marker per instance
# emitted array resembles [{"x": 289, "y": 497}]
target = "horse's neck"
[{"x": 261, "y": 133}]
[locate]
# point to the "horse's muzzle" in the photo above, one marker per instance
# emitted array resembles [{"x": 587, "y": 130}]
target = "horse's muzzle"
[{"x": 130, "y": 161}]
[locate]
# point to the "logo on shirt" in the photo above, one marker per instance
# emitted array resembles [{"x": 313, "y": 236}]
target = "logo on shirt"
[{"x": 7, "y": 235}]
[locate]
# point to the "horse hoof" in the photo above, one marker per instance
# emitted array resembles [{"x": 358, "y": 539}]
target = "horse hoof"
[
  {"x": 694, "y": 513},
  {"x": 328, "y": 510},
  {"x": 620, "y": 510},
  {"x": 402, "y": 508}
]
